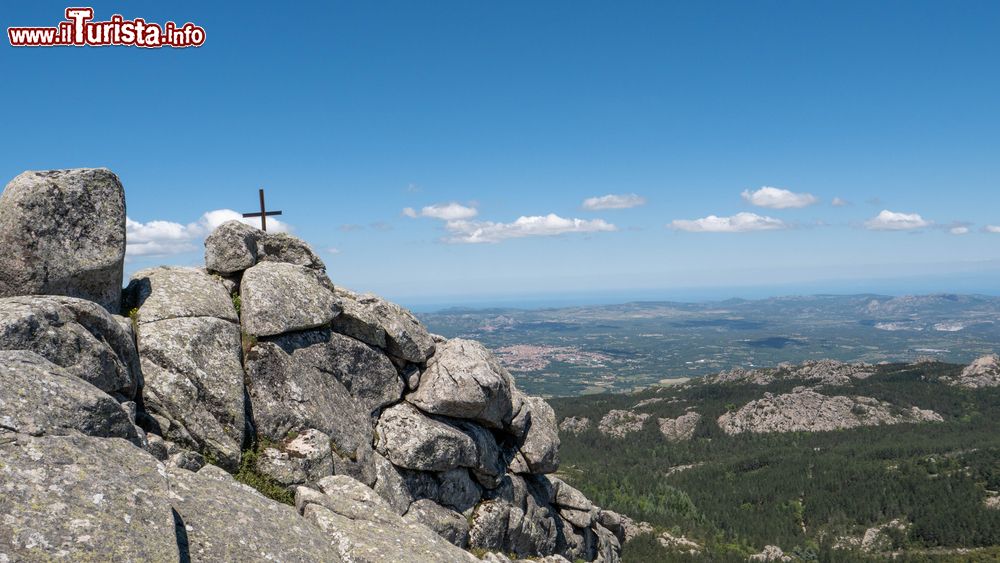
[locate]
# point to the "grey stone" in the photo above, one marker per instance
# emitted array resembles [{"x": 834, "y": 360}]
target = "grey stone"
[
  {"x": 569, "y": 497},
  {"x": 170, "y": 292},
  {"x": 299, "y": 459},
  {"x": 516, "y": 518},
  {"x": 465, "y": 380},
  {"x": 278, "y": 297},
  {"x": 194, "y": 378},
  {"x": 389, "y": 484},
  {"x": 370, "y": 317},
  {"x": 414, "y": 441},
  {"x": 289, "y": 395},
  {"x": 77, "y": 335},
  {"x": 537, "y": 434},
  {"x": 283, "y": 247},
  {"x": 681, "y": 428},
  {"x": 457, "y": 490},
  {"x": 448, "y": 524},
  {"x": 80, "y": 498},
  {"x": 224, "y": 520},
  {"x": 231, "y": 248},
  {"x": 63, "y": 233},
  {"x": 490, "y": 464},
  {"x": 191, "y": 461},
  {"x": 366, "y": 372},
  {"x": 38, "y": 397},
  {"x": 357, "y": 320},
  {"x": 362, "y": 528}
]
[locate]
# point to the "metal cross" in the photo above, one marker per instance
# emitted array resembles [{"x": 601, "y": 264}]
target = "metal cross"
[{"x": 264, "y": 213}]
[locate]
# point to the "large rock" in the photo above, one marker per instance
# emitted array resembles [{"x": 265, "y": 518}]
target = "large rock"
[
  {"x": 231, "y": 248},
  {"x": 38, "y": 397},
  {"x": 465, "y": 380},
  {"x": 76, "y": 335},
  {"x": 224, "y": 520},
  {"x": 299, "y": 459},
  {"x": 63, "y": 233},
  {"x": 169, "y": 292},
  {"x": 78, "y": 498},
  {"x": 289, "y": 396},
  {"x": 283, "y": 247},
  {"x": 414, "y": 441},
  {"x": 982, "y": 372},
  {"x": 278, "y": 297},
  {"x": 448, "y": 524},
  {"x": 366, "y": 373},
  {"x": 194, "y": 379},
  {"x": 362, "y": 528},
  {"x": 537, "y": 436},
  {"x": 378, "y": 322}
]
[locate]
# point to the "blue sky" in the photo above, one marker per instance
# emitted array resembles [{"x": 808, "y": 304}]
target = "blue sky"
[{"x": 350, "y": 113}]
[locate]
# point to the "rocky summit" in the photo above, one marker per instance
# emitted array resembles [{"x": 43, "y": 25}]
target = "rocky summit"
[{"x": 251, "y": 410}]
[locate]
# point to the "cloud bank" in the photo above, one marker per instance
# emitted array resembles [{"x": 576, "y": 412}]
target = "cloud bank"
[
  {"x": 444, "y": 211},
  {"x": 740, "y": 223},
  {"x": 778, "y": 198},
  {"x": 166, "y": 238},
  {"x": 613, "y": 201},
  {"x": 893, "y": 221},
  {"x": 475, "y": 232}
]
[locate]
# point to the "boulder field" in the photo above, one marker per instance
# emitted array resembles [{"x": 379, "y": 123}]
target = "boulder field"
[{"x": 251, "y": 409}]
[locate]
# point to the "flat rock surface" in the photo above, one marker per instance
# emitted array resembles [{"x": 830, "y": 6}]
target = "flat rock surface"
[
  {"x": 78, "y": 498},
  {"x": 225, "y": 520},
  {"x": 279, "y": 297},
  {"x": 169, "y": 292}
]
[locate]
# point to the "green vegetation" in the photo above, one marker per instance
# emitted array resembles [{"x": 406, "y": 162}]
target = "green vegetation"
[
  {"x": 800, "y": 491},
  {"x": 237, "y": 303},
  {"x": 248, "y": 475}
]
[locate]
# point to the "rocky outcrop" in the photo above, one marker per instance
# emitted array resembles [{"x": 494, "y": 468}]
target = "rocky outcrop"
[
  {"x": 189, "y": 344},
  {"x": 76, "y": 335},
  {"x": 574, "y": 424},
  {"x": 805, "y": 410},
  {"x": 679, "y": 429},
  {"x": 63, "y": 233},
  {"x": 821, "y": 372},
  {"x": 398, "y": 445},
  {"x": 678, "y": 543},
  {"x": 770, "y": 553},
  {"x": 982, "y": 372},
  {"x": 619, "y": 423}
]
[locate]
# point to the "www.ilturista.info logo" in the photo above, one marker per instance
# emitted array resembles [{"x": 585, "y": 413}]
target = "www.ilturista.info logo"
[{"x": 79, "y": 30}]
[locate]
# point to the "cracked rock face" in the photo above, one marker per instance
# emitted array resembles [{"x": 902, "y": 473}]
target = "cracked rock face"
[
  {"x": 194, "y": 379},
  {"x": 805, "y": 410},
  {"x": 169, "y": 292},
  {"x": 413, "y": 441},
  {"x": 63, "y": 233},
  {"x": 983, "y": 372},
  {"x": 76, "y": 335},
  {"x": 278, "y": 297},
  {"x": 465, "y": 380},
  {"x": 38, "y": 397}
]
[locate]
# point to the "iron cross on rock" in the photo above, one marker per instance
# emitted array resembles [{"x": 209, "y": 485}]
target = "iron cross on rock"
[{"x": 264, "y": 213}]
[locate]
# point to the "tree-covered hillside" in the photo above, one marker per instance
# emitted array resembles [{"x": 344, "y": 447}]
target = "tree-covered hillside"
[{"x": 923, "y": 487}]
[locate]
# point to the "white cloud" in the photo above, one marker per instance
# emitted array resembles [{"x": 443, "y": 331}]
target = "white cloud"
[
  {"x": 613, "y": 201},
  {"x": 777, "y": 198},
  {"x": 165, "y": 238},
  {"x": 739, "y": 223},
  {"x": 444, "y": 211},
  {"x": 333, "y": 251},
  {"x": 472, "y": 232},
  {"x": 892, "y": 221},
  {"x": 840, "y": 202},
  {"x": 959, "y": 230},
  {"x": 992, "y": 228}
]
